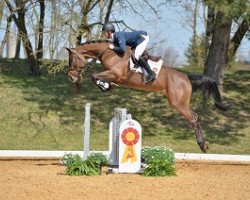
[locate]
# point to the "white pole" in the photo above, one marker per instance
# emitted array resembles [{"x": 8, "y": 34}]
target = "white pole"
[{"x": 86, "y": 131}]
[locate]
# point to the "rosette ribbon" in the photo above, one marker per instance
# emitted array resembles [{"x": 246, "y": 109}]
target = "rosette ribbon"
[{"x": 130, "y": 137}]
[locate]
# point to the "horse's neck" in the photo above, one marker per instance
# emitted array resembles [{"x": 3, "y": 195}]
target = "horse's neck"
[{"x": 93, "y": 50}]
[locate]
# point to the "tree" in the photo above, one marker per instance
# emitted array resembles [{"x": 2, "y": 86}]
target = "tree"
[
  {"x": 196, "y": 52},
  {"x": 7, "y": 30},
  {"x": 2, "y": 5},
  {"x": 84, "y": 28},
  {"x": 18, "y": 14},
  {"x": 194, "y": 49},
  {"x": 109, "y": 10},
  {"x": 223, "y": 48},
  {"x": 217, "y": 56},
  {"x": 39, "y": 52},
  {"x": 241, "y": 32}
]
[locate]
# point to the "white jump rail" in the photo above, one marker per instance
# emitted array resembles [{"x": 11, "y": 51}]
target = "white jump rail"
[
  {"x": 213, "y": 157},
  {"x": 37, "y": 154}
]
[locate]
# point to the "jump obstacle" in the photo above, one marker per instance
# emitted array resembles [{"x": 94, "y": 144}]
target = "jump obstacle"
[
  {"x": 112, "y": 153},
  {"x": 124, "y": 141}
]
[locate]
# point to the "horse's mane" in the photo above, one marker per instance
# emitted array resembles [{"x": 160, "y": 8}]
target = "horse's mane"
[{"x": 97, "y": 41}]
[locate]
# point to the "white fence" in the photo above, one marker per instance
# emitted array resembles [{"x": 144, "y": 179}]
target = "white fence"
[{"x": 22, "y": 154}]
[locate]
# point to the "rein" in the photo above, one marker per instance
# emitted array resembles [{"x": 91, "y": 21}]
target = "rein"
[{"x": 90, "y": 64}]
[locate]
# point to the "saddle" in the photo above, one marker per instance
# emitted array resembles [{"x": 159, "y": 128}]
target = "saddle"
[
  {"x": 155, "y": 63},
  {"x": 147, "y": 56}
]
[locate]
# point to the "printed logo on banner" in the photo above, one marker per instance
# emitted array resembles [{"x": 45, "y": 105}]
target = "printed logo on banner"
[{"x": 130, "y": 147}]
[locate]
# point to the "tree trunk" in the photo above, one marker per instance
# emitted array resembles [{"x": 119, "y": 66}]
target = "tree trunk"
[
  {"x": 82, "y": 29},
  {"x": 195, "y": 49},
  {"x": 34, "y": 68},
  {"x": 18, "y": 45},
  {"x": 209, "y": 27},
  {"x": 7, "y": 30},
  {"x": 238, "y": 37},
  {"x": 218, "y": 51},
  {"x": 39, "y": 54},
  {"x": 53, "y": 28}
]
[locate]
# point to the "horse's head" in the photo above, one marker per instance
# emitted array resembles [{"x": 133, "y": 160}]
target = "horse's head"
[{"x": 76, "y": 64}]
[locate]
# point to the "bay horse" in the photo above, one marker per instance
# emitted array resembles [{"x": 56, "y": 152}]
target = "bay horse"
[{"x": 176, "y": 85}]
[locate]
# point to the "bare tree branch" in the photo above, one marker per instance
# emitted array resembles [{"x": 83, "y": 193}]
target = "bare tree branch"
[{"x": 111, "y": 2}]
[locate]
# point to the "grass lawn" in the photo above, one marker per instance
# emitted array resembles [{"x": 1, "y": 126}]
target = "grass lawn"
[{"x": 47, "y": 113}]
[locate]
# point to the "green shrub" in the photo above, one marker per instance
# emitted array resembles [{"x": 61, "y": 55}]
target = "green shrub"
[
  {"x": 159, "y": 161},
  {"x": 98, "y": 159},
  {"x": 76, "y": 166},
  {"x": 68, "y": 159}
]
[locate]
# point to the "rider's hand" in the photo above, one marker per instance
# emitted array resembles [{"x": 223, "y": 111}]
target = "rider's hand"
[{"x": 111, "y": 46}]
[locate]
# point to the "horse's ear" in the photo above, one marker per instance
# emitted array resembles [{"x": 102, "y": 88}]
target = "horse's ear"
[
  {"x": 72, "y": 50},
  {"x": 69, "y": 50}
]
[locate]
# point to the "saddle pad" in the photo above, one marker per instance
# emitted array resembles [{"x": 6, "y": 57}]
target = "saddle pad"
[{"x": 155, "y": 66}]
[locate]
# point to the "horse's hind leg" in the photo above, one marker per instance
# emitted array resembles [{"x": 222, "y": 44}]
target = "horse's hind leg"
[
  {"x": 181, "y": 103},
  {"x": 199, "y": 136},
  {"x": 194, "y": 121}
]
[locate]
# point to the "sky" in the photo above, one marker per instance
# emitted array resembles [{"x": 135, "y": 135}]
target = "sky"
[
  {"x": 172, "y": 30},
  {"x": 175, "y": 29}
]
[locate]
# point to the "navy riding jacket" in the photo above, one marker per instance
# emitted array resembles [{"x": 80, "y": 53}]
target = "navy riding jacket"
[{"x": 132, "y": 39}]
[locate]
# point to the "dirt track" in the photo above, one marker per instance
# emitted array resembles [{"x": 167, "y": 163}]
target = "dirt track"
[{"x": 46, "y": 180}]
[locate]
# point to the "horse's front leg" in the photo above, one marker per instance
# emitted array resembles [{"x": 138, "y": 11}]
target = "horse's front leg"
[{"x": 104, "y": 80}]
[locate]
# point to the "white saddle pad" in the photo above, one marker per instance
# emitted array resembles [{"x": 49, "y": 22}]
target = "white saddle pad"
[{"x": 155, "y": 66}]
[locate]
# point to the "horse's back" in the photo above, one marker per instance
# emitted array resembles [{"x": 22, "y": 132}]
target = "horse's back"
[
  {"x": 174, "y": 79},
  {"x": 173, "y": 74}
]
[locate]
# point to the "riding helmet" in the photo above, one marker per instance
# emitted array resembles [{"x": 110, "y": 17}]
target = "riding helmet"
[{"x": 108, "y": 27}]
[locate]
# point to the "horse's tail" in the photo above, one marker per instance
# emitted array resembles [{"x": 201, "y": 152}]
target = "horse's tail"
[{"x": 209, "y": 86}]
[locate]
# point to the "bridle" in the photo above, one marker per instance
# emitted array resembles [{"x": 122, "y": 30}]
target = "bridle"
[{"x": 85, "y": 63}]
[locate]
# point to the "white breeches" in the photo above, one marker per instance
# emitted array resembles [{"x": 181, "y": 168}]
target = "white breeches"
[{"x": 141, "y": 47}]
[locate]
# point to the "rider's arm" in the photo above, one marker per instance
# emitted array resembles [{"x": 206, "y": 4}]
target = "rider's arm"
[{"x": 120, "y": 45}]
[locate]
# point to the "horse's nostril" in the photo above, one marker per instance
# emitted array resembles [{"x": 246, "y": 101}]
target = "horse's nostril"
[{"x": 73, "y": 79}]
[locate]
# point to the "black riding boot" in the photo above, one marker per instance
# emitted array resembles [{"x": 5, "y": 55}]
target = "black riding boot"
[{"x": 151, "y": 74}]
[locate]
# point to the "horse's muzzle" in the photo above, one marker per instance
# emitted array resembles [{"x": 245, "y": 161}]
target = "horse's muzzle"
[{"x": 73, "y": 79}]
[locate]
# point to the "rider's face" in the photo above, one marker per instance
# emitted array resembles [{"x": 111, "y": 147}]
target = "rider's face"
[{"x": 107, "y": 34}]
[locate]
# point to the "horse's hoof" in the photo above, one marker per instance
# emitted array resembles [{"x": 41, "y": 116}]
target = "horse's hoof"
[
  {"x": 112, "y": 84},
  {"x": 205, "y": 147}
]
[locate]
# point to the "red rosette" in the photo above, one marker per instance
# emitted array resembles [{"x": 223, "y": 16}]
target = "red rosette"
[{"x": 130, "y": 136}]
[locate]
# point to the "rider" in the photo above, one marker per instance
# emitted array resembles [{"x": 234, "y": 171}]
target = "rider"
[{"x": 137, "y": 40}]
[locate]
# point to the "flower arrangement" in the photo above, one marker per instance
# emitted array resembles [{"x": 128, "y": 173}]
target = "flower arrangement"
[{"x": 76, "y": 166}]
